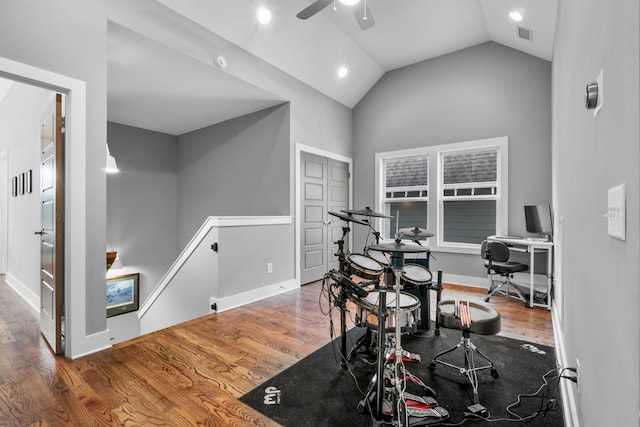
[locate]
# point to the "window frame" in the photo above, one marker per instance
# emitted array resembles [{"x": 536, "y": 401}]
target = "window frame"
[{"x": 436, "y": 198}]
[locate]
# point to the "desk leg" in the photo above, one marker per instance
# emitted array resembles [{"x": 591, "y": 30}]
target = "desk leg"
[
  {"x": 532, "y": 269},
  {"x": 549, "y": 276}
]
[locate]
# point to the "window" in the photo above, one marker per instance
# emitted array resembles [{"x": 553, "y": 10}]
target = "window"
[
  {"x": 406, "y": 193},
  {"x": 456, "y": 191},
  {"x": 469, "y": 194}
]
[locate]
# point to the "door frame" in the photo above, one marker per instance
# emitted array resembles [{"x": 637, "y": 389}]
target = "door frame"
[
  {"x": 300, "y": 148},
  {"x": 77, "y": 342}
]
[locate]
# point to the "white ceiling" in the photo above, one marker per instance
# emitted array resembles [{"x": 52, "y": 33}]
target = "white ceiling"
[{"x": 145, "y": 94}]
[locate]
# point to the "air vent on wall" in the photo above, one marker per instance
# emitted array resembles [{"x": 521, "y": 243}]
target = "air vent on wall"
[{"x": 525, "y": 33}]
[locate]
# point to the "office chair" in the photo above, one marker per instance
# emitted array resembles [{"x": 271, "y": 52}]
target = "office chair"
[{"x": 496, "y": 256}]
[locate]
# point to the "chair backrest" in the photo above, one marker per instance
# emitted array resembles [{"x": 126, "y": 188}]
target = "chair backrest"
[{"x": 493, "y": 250}]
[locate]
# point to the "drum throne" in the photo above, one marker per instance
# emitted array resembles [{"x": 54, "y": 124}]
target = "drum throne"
[{"x": 469, "y": 317}]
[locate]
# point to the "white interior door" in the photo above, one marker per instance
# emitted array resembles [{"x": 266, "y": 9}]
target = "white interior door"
[
  {"x": 324, "y": 188},
  {"x": 52, "y": 219}
]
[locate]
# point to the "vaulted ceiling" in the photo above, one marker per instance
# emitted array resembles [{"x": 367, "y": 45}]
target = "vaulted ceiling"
[{"x": 405, "y": 32}]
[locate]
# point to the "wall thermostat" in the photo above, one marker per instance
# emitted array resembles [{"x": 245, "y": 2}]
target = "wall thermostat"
[{"x": 591, "y": 96}]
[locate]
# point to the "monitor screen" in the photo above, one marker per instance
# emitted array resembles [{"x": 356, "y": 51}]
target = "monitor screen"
[{"x": 538, "y": 219}]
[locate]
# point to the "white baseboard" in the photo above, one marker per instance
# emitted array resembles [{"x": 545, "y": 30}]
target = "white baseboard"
[
  {"x": 25, "y": 293},
  {"x": 475, "y": 282},
  {"x": 90, "y": 344},
  {"x": 238, "y": 300},
  {"x": 569, "y": 407}
]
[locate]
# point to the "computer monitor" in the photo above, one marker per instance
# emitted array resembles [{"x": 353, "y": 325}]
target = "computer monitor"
[{"x": 539, "y": 220}]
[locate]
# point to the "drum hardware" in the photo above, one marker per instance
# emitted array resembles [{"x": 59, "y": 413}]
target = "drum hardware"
[
  {"x": 348, "y": 286},
  {"x": 397, "y": 246},
  {"x": 364, "y": 266},
  {"x": 341, "y": 301},
  {"x": 347, "y": 218},
  {"x": 366, "y": 212},
  {"x": 389, "y": 380},
  {"x": 379, "y": 256},
  {"x": 409, "y": 314},
  {"x": 390, "y": 377},
  {"x": 415, "y": 233},
  {"x": 414, "y": 275}
]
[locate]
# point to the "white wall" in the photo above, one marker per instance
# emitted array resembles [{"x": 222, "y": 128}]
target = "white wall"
[
  {"x": 20, "y": 135},
  {"x": 599, "y": 322}
]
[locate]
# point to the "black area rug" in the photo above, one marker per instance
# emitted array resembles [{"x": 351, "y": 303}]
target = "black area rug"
[{"x": 316, "y": 391}]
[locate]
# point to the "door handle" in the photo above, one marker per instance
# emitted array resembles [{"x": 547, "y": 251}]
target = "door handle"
[
  {"x": 327, "y": 222},
  {"x": 41, "y": 232}
]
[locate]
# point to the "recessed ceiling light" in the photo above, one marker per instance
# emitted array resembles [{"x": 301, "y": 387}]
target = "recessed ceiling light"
[
  {"x": 349, "y": 2},
  {"x": 342, "y": 72},
  {"x": 264, "y": 16},
  {"x": 516, "y": 15}
]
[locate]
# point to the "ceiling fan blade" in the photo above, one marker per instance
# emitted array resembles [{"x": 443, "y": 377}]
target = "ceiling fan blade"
[
  {"x": 313, "y": 8},
  {"x": 361, "y": 12}
]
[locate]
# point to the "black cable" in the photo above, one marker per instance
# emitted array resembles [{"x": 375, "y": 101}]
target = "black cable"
[{"x": 551, "y": 405}]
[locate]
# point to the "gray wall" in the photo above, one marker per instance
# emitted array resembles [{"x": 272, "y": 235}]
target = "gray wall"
[
  {"x": 142, "y": 209},
  {"x": 599, "y": 275},
  {"x": 168, "y": 186},
  {"x": 485, "y": 91},
  {"x": 236, "y": 168}
]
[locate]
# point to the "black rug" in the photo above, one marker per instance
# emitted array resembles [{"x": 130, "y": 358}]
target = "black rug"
[{"x": 316, "y": 391}]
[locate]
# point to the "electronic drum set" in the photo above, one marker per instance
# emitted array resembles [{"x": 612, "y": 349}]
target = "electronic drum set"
[{"x": 387, "y": 312}]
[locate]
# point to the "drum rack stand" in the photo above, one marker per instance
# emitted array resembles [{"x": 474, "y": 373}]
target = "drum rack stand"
[
  {"x": 341, "y": 303},
  {"x": 399, "y": 374}
]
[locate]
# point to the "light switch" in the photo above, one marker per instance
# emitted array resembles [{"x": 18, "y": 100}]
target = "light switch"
[{"x": 616, "y": 213}]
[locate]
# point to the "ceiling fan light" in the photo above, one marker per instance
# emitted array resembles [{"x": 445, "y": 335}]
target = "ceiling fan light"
[
  {"x": 349, "y": 2},
  {"x": 342, "y": 72}
]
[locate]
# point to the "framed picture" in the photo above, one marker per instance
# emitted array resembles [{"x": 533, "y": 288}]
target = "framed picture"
[
  {"x": 14, "y": 186},
  {"x": 29, "y": 183},
  {"x": 122, "y": 294}
]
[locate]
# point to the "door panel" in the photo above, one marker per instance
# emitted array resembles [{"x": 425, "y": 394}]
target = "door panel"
[
  {"x": 313, "y": 245},
  {"x": 324, "y": 184},
  {"x": 52, "y": 221},
  {"x": 338, "y": 200}
]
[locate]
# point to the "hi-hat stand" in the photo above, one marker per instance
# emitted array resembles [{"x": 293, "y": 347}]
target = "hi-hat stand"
[{"x": 432, "y": 412}]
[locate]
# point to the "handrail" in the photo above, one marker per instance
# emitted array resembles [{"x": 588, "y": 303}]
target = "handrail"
[{"x": 203, "y": 231}]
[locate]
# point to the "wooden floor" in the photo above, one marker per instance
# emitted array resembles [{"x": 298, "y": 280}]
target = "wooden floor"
[{"x": 188, "y": 375}]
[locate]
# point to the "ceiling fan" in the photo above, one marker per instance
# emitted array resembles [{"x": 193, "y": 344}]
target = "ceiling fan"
[{"x": 361, "y": 11}]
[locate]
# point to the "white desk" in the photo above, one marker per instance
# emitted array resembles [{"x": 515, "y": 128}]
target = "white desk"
[{"x": 531, "y": 246}]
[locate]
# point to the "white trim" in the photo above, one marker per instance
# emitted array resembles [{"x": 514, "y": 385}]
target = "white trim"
[
  {"x": 569, "y": 406},
  {"x": 238, "y": 300},
  {"x": 203, "y": 231},
  {"x": 4, "y": 210},
  {"x": 470, "y": 281},
  {"x": 77, "y": 342},
  {"x": 23, "y": 291},
  {"x": 244, "y": 221},
  {"x": 299, "y": 149},
  {"x": 434, "y": 154}
]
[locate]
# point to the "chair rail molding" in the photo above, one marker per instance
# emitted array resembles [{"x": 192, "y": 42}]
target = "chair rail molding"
[{"x": 210, "y": 223}]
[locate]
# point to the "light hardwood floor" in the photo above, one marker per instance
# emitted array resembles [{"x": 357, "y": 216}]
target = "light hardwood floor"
[{"x": 188, "y": 375}]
